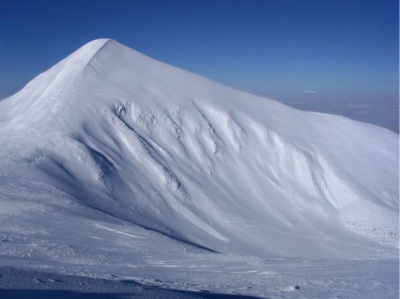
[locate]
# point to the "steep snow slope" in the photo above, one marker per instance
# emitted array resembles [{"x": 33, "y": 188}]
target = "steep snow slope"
[{"x": 110, "y": 129}]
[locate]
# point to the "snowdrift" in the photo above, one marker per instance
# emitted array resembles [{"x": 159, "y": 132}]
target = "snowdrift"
[{"x": 200, "y": 162}]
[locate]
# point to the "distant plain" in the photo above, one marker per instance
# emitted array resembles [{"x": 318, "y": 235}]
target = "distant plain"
[{"x": 381, "y": 109}]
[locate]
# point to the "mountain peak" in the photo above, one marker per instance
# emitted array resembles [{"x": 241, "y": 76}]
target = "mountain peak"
[
  {"x": 90, "y": 49},
  {"x": 172, "y": 151},
  {"x": 98, "y": 42}
]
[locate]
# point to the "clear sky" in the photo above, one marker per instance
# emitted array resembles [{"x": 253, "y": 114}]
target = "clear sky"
[{"x": 255, "y": 45}]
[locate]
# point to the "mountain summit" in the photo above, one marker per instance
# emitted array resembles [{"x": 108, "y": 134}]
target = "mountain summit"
[{"x": 124, "y": 137}]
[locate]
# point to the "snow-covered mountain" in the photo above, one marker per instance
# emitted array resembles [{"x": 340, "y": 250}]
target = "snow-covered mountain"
[{"x": 110, "y": 135}]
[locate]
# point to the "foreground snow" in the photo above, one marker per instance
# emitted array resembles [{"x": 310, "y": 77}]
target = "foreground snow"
[
  {"x": 122, "y": 259},
  {"x": 116, "y": 166},
  {"x": 289, "y": 279}
]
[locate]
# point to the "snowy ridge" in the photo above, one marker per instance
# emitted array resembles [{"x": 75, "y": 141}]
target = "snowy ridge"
[{"x": 111, "y": 130}]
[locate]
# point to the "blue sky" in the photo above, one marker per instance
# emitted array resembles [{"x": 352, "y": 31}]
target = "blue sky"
[{"x": 255, "y": 45}]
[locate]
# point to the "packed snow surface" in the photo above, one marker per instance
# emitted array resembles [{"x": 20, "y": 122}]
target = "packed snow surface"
[{"x": 114, "y": 162}]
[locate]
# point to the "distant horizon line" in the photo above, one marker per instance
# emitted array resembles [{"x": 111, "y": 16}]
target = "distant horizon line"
[{"x": 308, "y": 92}]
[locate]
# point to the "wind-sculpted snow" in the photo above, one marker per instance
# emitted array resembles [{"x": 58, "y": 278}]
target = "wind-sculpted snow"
[{"x": 167, "y": 150}]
